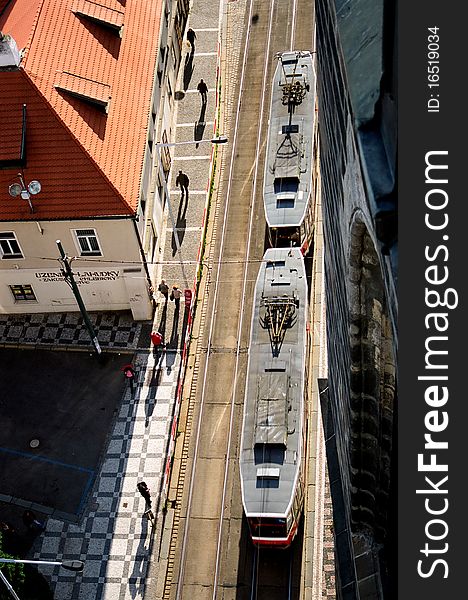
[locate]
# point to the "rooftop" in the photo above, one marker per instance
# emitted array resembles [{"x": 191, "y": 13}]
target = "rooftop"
[{"x": 86, "y": 77}]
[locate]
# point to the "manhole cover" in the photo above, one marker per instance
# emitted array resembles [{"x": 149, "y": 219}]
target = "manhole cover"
[{"x": 34, "y": 443}]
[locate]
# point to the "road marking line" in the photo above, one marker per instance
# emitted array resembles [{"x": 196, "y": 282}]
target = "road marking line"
[
  {"x": 176, "y": 191},
  {"x": 195, "y": 91},
  {"x": 207, "y": 157},
  {"x": 191, "y": 125}
]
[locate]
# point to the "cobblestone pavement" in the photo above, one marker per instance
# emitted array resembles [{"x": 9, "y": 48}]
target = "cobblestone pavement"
[
  {"x": 328, "y": 578},
  {"x": 114, "y": 538},
  {"x": 114, "y": 330}
]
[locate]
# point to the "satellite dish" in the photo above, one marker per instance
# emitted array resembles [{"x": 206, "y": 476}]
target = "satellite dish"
[
  {"x": 34, "y": 187},
  {"x": 15, "y": 189}
]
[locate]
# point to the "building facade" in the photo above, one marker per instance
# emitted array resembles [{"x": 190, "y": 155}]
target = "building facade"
[
  {"x": 86, "y": 93},
  {"x": 356, "y": 57}
]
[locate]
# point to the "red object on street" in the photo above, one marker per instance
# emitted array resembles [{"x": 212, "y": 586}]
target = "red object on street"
[
  {"x": 128, "y": 371},
  {"x": 188, "y": 298},
  {"x": 156, "y": 338}
]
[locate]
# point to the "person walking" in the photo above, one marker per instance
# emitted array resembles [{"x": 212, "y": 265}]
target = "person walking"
[
  {"x": 176, "y": 295},
  {"x": 203, "y": 89},
  {"x": 191, "y": 37},
  {"x": 145, "y": 492},
  {"x": 183, "y": 181},
  {"x": 164, "y": 289},
  {"x": 156, "y": 340},
  {"x": 129, "y": 375},
  {"x": 32, "y": 523}
]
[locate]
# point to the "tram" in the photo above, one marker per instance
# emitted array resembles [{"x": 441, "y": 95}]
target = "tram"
[
  {"x": 274, "y": 421},
  {"x": 290, "y": 172}
]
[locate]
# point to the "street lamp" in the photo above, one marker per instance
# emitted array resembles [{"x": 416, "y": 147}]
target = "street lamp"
[
  {"x": 70, "y": 565},
  {"x": 222, "y": 139},
  {"x": 20, "y": 189}
]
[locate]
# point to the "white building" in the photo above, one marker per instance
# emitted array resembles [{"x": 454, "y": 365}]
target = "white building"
[{"x": 86, "y": 90}]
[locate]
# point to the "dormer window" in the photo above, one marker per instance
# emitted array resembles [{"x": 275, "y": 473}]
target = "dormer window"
[
  {"x": 94, "y": 92},
  {"x": 95, "y": 11}
]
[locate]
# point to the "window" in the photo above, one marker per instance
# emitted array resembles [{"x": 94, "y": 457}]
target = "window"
[
  {"x": 23, "y": 293},
  {"x": 165, "y": 156},
  {"x": 9, "y": 245},
  {"x": 88, "y": 242}
]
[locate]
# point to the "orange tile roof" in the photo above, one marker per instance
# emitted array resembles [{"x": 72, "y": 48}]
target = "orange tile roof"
[
  {"x": 10, "y": 138},
  {"x": 88, "y": 162}
]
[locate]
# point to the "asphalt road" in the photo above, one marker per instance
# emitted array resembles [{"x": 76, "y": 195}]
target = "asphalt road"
[{"x": 67, "y": 401}]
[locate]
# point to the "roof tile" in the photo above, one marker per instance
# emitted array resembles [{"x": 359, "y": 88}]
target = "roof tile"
[{"x": 112, "y": 145}]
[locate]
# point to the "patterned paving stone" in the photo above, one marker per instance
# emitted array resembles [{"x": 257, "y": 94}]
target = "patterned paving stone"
[
  {"x": 115, "y": 539},
  {"x": 113, "y": 330}
]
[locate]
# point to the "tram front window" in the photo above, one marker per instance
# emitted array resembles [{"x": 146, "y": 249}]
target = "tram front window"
[{"x": 268, "y": 527}]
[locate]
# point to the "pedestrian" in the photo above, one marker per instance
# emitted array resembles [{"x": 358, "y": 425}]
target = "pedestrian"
[
  {"x": 203, "y": 89},
  {"x": 156, "y": 339},
  {"x": 32, "y": 523},
  {"x": 191, "y": 37},
  {"x": 145, "y": 492},
  {"x": 183, "y": 181},
  {"x": 176, "y": 295},
  {"x": 129, "y": 375},
  {"x": 164, "y": 289}
]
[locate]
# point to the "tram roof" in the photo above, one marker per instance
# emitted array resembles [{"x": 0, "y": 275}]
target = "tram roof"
[
  {"x": 289, "y": 159},
  {"x": 271, "y": 448}
]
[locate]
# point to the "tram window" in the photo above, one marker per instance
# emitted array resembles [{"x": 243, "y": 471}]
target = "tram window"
[
  {"x": 285, "y": 202},
  {"x": 269, "y": 453},
  {"x": 268, "y": 527},
  {"x": 263, "y": 483},
  {"x": 286, "y": 184},
  {"x": 290, "y": 129},
  {"x": 275, "y": 263}
]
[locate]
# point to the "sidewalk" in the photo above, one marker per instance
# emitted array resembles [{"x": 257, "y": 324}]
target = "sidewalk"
[
  {"x": 114, "y": 539},
  {"x": 114, "y": 330}
]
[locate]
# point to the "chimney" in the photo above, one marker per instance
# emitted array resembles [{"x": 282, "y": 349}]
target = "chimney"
[{"x": 9, "y": 55}]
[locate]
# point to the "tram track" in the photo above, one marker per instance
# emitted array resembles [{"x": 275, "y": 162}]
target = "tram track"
[{"x": 221, "y": 347}]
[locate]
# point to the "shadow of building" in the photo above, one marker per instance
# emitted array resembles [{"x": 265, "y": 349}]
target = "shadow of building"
[{"x": 356, "y": 58}]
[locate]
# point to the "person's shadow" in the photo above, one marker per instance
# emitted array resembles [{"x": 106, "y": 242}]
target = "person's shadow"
[
  {"x": 201, "y": 118},
  {"x": 175, "y": 326},
  {"x": 136, "y": 581},
  {"x": 199, "y": 131},
  {"x": 188, "y": 69},
  {"x": 154, "y": 384},
  {"x": 179, "y": 230},
  {"x": 162, "y": 321}
]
